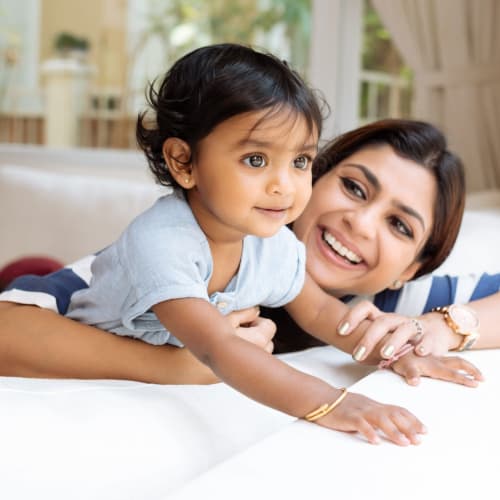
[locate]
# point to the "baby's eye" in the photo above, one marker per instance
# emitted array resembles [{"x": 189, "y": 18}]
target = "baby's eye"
[
  {"x": 255, "y": 161},
  {"x": 301, "y": 162},
  {"x": 353, "y": 188},
  {"x": 401, "y": 227}
]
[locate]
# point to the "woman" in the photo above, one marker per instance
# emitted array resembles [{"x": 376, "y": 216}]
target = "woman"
[{"x": 386, "y": 207}]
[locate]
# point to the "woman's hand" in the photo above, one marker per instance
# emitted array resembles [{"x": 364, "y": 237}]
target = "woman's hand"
[
  {"x": 449, "y": 368},
  {"x": 357, "y": 413},
  {"x": 389, "y": 332},
  {"x": 250, "y": 326}
]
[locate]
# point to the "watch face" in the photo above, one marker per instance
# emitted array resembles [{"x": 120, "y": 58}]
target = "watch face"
[{"x": 464, "y": 317}]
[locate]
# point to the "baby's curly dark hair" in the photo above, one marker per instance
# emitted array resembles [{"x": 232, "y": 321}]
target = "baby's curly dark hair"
[{"x": 212, "y": 84}]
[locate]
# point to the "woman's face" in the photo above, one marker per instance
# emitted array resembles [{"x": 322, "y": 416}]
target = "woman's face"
[{"x": 367, "y": 221}]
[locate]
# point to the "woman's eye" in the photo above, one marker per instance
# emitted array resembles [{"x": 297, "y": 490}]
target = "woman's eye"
[
  {"x": 255, "y": 161},
  {"x": 301, "y": 162},
  {"x": 353, "y": 188},
  {"x": 401, "y": 227}
]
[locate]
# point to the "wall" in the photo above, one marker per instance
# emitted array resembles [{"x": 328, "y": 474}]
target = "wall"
[{"x": 101, "y": 21}]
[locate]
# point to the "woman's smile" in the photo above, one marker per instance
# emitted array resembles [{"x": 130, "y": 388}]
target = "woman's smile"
[{"x": 339, "y": 249}]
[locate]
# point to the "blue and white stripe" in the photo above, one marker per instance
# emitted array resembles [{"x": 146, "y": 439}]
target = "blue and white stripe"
[
  {"x": 419, "y": 296},
  {"x": 53, "y": 291}
]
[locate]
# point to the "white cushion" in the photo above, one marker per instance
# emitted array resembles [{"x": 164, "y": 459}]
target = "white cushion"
[
  {"x": 65, "y": 216},
  {"x": 478, "y": 244}
]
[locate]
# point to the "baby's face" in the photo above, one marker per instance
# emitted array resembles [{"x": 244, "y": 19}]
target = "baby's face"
[{"x": 252, "y": 174}]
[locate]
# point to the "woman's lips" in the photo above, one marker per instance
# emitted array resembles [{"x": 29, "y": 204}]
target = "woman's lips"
[
  {"x": 341, "y": 249},
  {"x": 331, "y": 253}
]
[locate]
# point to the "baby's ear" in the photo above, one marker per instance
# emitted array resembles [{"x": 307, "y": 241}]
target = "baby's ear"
[{"x": 177, "y": 156}]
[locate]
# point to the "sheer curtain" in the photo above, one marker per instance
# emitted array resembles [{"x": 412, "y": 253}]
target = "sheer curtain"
[{"x": 453, "y": 47}]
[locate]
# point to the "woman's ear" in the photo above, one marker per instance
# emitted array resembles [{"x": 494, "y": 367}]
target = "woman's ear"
[
  {"x": 406, "y": 275},
  {"x": 177, "y": 156}
]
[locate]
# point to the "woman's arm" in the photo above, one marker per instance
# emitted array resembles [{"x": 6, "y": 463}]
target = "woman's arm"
[
  {"x": 436, "y": 337},
  {"x": 35, "y": 342},
  {"x": 440, "y": 337}
]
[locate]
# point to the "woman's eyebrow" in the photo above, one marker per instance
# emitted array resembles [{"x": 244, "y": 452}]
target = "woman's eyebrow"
[
  {"x": 370, "y": 176},
  {"x": 373, "y": 180},
  {"x": 410, "y": 211}
]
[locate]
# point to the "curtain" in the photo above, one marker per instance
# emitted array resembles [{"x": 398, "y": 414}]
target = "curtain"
[{"x": 453, "y": 48}]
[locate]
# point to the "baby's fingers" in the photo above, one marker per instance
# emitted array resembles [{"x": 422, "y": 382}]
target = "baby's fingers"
[
  {"x": 243, "y": 316},
  {"x": 457, "y": 370},
  {"x": 397, "y": 424},
  {"x": 409, "y": 372},
  {"x": 463, "y": 365},
  {"x": 401, "y": 427},
  {"x": 368, "y": 431}
]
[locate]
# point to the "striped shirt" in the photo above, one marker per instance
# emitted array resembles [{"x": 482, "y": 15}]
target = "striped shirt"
[{"x": 413, "y": 299}]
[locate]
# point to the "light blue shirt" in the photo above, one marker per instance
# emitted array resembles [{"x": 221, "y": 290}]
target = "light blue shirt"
[{"x": 163, "y": 255}]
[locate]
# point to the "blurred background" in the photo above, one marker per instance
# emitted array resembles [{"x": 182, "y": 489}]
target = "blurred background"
[{"x": 73, "y": 73}]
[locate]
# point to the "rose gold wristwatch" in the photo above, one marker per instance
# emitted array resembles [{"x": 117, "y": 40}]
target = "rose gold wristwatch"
[{"x": 463, "y": 321}]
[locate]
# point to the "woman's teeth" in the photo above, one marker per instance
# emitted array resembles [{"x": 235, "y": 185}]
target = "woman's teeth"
[{"x": 341, "y": 249}]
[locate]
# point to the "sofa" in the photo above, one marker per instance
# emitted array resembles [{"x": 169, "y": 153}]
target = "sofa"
[{"x": 118, "y": 439}]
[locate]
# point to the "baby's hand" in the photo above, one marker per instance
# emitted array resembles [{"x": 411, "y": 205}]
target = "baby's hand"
[
  {"x": 250, "y": 326},
  {"x": 449, "y": 368},
  {"x": 357, "y": 413}
]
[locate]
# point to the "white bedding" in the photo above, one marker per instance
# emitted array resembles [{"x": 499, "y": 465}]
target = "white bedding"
[{"x": 106, "y": 440}]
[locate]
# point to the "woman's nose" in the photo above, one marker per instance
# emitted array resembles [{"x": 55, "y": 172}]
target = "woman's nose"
[{"x": 363, "y": 221}]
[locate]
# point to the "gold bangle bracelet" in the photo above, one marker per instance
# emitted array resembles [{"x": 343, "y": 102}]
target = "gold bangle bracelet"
[{"x": 325, "y": 408}]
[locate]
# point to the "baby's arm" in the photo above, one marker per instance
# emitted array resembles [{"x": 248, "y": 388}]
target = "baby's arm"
[{"x": 259, "y": 375}]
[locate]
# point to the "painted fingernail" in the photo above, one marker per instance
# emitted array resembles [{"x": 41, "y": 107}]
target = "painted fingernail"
[
  {"x": 342, "y": 329},
  {"x": 359, "y": 353},
  {"x": 388, "y": 351},
  {"x": 421, "y": 349}
]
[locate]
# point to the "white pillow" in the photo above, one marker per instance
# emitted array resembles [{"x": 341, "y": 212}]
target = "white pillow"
[
  {"x": 478, "y": 244},
  {"x": 65, "y": 216}
]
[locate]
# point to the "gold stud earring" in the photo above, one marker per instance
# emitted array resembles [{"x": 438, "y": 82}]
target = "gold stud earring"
[
  {"x": 186, "y": 180},
  {"x": 396, "y": 285}
]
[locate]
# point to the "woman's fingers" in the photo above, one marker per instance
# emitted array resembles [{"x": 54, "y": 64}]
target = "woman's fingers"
[
  {"x": 432, "y": 344},
  {"x": 399, "y": 328},
  {"x": 356, "y": 315},
  {"x": 401, "y": 335}
]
